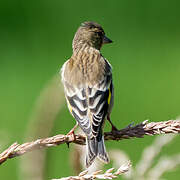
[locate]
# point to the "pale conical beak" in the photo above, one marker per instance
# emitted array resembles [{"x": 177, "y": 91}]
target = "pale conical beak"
[{"x": 106, "y": 40}]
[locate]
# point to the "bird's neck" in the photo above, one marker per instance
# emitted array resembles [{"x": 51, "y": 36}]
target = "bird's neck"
[{"x": 84, "y": 47}]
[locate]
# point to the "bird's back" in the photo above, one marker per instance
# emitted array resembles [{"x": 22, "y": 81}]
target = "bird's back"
[{"x": 86, "y": 68}]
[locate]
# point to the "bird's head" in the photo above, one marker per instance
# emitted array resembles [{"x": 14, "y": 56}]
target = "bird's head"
[{"x": 92, "y": 34}]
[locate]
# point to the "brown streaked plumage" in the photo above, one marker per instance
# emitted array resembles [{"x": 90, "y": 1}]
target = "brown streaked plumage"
[{"x": 88, "y": 86}]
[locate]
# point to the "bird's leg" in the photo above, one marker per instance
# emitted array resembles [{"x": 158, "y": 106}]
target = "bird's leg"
[
  {"x": 112, "y": 125},
  {"x": 72, "y": 130},
  {"x": 71, "y": 133}
]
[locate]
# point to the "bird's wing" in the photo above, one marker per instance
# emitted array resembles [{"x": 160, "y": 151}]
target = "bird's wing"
[
  {"x": 77, "y": 101},
  {"x": 79, "y": 109},
  {"x": 99, "y": 103}
]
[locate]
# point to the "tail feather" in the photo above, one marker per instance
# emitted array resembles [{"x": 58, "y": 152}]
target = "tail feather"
[
  {"x": 96, "y": 148},
  {"x": 91, "y": 151},
  {"x": 102, "y": 154}
]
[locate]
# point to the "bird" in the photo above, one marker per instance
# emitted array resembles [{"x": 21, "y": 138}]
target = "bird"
[{"x": 88, "y": 88}]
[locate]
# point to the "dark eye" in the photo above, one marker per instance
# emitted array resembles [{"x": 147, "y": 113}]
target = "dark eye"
[{"x": 99, "y": 33}]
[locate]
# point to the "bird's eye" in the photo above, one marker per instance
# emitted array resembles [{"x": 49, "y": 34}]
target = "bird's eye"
[{"x": 99, "y": 33}]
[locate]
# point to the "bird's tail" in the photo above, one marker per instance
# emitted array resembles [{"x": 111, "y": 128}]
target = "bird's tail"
[{"x": 96, "y": 148}]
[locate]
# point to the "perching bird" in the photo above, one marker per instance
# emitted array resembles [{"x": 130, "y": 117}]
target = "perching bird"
[{"x": 87, "y": 80}]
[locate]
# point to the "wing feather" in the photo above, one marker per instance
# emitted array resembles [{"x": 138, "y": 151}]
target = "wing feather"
[{"x": 99, "y": 104}]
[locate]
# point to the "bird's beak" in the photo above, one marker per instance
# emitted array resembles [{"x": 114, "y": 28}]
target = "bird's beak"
[{"x": 106, "y": 40}]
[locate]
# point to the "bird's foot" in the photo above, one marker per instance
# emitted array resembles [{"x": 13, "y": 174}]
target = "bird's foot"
[{"x": 72, "y": 134}]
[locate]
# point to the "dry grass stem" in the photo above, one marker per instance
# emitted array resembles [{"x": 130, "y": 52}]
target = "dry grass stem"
[
  {"x": 151, "y": 152},
  {"x": 165, "y": 164},
  {"x": 109, "y": 174},
  {"x": 19, "y": 149},
  {"x": 144, "y": 128},
  {"x": 47, "y": 106}
]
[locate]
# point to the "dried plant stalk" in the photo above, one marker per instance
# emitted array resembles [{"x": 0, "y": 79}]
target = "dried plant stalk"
[
  {"x": 164, "y": 165},
  {"x": 109, "y": 174},
  {"x": 47, "y": 106},
  {"x": 150, "y": 153},
  {"x": 145, "y": 128},
  {"x": 138, "y": 131}
]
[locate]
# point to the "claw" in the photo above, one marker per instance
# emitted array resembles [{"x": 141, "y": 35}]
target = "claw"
[{"x": 67, "y": 144}]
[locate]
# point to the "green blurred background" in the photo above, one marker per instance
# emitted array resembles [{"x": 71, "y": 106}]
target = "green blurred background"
[{"x": 35, "y": 40}]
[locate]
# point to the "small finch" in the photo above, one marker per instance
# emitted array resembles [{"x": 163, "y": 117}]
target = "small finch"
[{"x": 88, "y": 87}]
